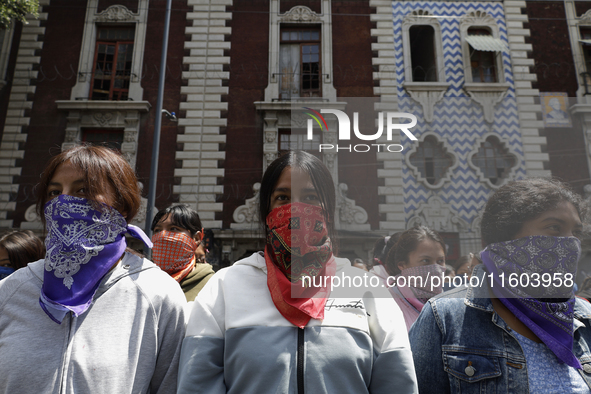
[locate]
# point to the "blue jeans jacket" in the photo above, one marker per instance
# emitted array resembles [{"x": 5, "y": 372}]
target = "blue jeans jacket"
[{"x": 460, "y": 328}]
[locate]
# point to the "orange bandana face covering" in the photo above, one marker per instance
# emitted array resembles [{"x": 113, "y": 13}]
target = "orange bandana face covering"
[
  {"x": 298, "y": 249},
  {"x": 174, "y": 253}
]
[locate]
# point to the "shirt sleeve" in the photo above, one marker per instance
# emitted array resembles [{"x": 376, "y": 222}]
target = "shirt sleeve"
[
  {"x": 171, "y": 330},
  {"x": 201, "y": 368},
  {"x": 393, "y": 370},
  {"x": 425, "y": 341}
]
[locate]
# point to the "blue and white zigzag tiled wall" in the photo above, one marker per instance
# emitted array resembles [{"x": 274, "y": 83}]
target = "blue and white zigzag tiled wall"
[{"x": 457, "y": 118}]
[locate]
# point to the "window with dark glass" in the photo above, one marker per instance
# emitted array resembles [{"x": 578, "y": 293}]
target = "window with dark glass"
[
  {"x": 299, "y": 64},
  {"x": 483, "y": 63},
  {"x": 112, "y": 63},
  {"x": 422, "y": 53},
  {"x": 109, "y": 138},
  {"x": 494, "y": 160},
  {"x": 431, "y": 159},
  {"x": 586, "y": 41}
]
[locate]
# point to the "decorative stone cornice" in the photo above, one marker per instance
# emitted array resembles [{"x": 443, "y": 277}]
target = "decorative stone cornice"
[
  {"x": 488, "y": 95},
  {"x": 585, "y": 19},
  {"x": 477, "y": 18},
  {"x": 116, "y": 13},
  {"x": 419, "y": 17},
  {"x": 301, "y": 14},
  {"x": 428, "y": 94}
]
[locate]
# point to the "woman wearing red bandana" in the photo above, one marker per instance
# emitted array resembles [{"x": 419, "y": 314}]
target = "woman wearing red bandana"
[
  {"x": 178, "y": 248},
  {"x": 262, "y": 326}
]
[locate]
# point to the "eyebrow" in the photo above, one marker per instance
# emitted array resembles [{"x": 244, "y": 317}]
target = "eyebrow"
[
  {"x": 59, "y": 184},
  {"x": 282, "y": 189},
  {"x": 579, "y": 225}
]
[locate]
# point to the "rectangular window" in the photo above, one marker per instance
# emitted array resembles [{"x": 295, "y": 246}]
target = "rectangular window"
[
  {"x": 112, "y": 63},
  {"x": 586, "y": 41},
  {"x": 109, "y": 138},
  {"x": 422, "y": 53},
  {"x": 298, "y": 141},
  {"x": 482, "y": 62},
  {"x": 299, "y": 64}
]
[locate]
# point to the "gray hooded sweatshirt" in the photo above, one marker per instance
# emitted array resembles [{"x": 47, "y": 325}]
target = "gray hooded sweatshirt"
[{"x": 128, "y": 341}]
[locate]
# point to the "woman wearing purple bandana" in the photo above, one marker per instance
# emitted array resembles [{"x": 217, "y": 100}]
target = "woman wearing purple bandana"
[
  {"x": 518, "y": 328},
  {"x": 91, "y": 316}
]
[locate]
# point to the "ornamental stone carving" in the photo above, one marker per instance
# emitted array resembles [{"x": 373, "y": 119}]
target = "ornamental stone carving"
[
  {"x": 585, "y": 18},
  {"x": 349, "y": 215},
  {"x": 488, "y": 96},
  {"x": 115, "y": 13},
  {"x": 477, "y": 18},
  {"x": 300, "y": 14},
  {"x": 102, "y": 118},
  {"x": 428, "y": 94},
  {"x": 439, "y": 216},
  {"x": 246, "y": 216}
]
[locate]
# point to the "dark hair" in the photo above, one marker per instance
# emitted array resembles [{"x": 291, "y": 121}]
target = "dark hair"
[
  {"x": 520, "y": 201},
  {"x": 182, "y": 215},
  {"x": 382, "y": 247},
  {"x": 101, "y": 166},
  {"x": 321, "y": 179},
  {"x": 408, "y": 243},
  {"x": 23, "y": 247}
]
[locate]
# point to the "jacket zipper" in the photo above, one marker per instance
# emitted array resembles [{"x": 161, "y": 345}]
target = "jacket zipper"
[{"x": 300, "y": 361}]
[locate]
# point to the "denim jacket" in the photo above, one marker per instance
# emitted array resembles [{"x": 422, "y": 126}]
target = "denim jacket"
[{"x": 460, "y": 328}]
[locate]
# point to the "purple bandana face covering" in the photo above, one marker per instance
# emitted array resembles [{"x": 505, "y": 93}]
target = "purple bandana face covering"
[
  {"x": 545, "y": 307},
  {"x": 84, "y": 240}
]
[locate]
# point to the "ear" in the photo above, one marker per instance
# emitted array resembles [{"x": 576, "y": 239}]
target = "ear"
[
  {"x": 401, "y": 265},
  {"x": 198, "y": 237}
]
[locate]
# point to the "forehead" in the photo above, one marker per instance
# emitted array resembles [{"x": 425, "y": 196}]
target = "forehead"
[
  {"x": 294, "y": 177},
  {"x": 565, "y": 211},
  {"x": 67, "y": 172},
  {"x": 429, "y": 246}
]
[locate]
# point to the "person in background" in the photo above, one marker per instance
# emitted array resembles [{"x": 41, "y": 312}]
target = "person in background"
[
  {"x": 179, "y": 250},
  {"x": 380, "y": 254},
  {"x": 359, "y": 263},
  {"x": 417, "y": 256},
  {"x": 17, "y": 249},
  {"x": 465, "y": 265},
  {"x": 257, "y": 328},
  {"x": 521, "y": 330},
  {"x": 91, "y": 317},
  {"x": 449, "y": 271}
]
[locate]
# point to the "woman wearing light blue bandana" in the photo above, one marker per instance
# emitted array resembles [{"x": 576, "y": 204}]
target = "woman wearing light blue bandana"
[
  {"x": 91, "y": 316},
  {"x": 518, "y": 327}
]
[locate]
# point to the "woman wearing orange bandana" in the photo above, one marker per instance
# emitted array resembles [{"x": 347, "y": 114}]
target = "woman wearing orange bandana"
[
  {"x": 270, "y": 324},
  {"x": 178, "y": 248}
]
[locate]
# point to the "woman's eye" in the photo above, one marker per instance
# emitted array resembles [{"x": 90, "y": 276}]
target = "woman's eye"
[
  {"x": 282, "y": 197},
  {"x": 53, "y": 193}
]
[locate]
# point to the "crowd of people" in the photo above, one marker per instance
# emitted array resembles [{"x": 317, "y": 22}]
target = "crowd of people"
[{"x": 83, "y": 313}]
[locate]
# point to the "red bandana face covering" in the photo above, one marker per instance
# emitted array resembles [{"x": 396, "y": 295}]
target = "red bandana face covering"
[
  {"x": 174, "y": 253},
  {"x": 298, "y": 248}
]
